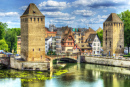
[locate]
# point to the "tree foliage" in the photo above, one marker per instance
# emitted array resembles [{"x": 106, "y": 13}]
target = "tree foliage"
[
  {"x": 11, "y": 38},
  {"x": 125, "y": 17},
  {"x": 100, "y": 35},
  {"x": 3, "y": 26},
  {"x": 3, "y": 45}
]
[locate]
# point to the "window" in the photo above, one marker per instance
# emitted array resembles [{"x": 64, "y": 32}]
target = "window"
[
  {"x": 31, "y": 19},
  {"x": 106, "y": 33},
  {"x": 79, "y": 34},
  {"x": 41, "y": 19},
  {"x": 82, "y": 45},
  {"x": 41, "y": 56},
  {"x": 33, "y": 49},
  {"x": 98, "y": 44},
  {"x": 71, "y": 43},
  {"x": 38, "y": 19},
  {"x": 120, "y": 46},
  {"x": 34, "y": 19},
  {"x": 39, "y": 49},
  {"x": 68, "y": 43},
  {"x": 33, "y": 11},
  {"x": 110, "y": 44},
  {"x": 94, "y": 44}
]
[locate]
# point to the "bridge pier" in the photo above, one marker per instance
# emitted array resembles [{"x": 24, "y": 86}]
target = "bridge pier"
[{"x": 78, "y": 59}]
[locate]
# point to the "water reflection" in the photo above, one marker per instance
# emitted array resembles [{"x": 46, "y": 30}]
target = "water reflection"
[{"x": 78, "y": 75}]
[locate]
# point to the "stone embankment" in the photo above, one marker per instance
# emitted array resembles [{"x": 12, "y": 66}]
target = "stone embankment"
[{"x": 122, "y": 62}]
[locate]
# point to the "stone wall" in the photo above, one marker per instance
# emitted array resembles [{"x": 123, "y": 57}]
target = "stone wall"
[
  {"x": 25, "y": 65},
  {"x": 108, "y": 61}
]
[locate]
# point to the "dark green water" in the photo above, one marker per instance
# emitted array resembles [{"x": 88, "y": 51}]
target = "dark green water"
[{"x": 74, "y": 75}]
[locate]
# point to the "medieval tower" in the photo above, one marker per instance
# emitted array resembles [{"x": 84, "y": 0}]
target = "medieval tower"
[
  {"x": 113, "y": 35},
  {"x": 33, "y": 34}
]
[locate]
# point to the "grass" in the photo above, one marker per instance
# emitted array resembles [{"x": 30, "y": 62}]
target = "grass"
[{"x": 126, "y": 55}]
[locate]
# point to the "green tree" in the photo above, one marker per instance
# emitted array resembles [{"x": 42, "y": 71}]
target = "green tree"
[
  {"x": 100, "y": 35},
  {"x": 3, "y": 26},
  {"x": 11, "y": 39},
  {"x": 3, "y": 45},
  {"x": 125, "y": 17}
]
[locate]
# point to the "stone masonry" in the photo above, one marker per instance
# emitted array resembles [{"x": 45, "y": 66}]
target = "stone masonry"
[
  {"x": 113, "y": 35},
  {"x": 33, "y": 34}
]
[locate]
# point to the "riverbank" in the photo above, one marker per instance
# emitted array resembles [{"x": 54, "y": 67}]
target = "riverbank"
[{"x": 121, "y": 62}]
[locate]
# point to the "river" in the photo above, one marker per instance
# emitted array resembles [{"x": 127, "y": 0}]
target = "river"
[{"x": 73, "y": 75}]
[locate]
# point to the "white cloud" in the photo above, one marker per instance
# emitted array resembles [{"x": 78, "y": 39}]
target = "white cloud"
[
  {"x": 104, "y": 10},
  {"x": 99, "y": 19},
  {"x": 53, "y": 5},
  {"x": 55, "y": 14},
  {"x": 9, "y": 14},
  {"x": 84, "y": 12},
  {"x": 99, "y": 3},
  {"x": 23, "y": 7}
]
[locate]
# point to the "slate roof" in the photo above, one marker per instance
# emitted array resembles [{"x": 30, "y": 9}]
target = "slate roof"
[
  {"x": 113, "y": 17},
  {"x": 32, "y": 10},
  {"x": 91, "y": 38},
  {"x": 47, "y": 38}
]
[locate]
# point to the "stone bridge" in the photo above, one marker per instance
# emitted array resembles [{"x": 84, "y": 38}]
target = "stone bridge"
[{"x": 75, "y": 57}]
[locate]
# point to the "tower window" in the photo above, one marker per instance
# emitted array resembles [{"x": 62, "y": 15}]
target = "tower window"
[
  {"x": 31, "y": 19},
  {"x": 41, "y": 56},
  {"x": 39, "y": 49},
  {"x": 34, "y": 19},
  {"x": 38, "y": 19},
  {"x": 119, "y": 24},
  {"x": 106, "y": 33},
  {"x": 34, "y": 12},
  {"x": 110, "y": 44},
  {"x": 41, "y": 19},
  {"x": 33, "y": 49},
  {"x": 120, "y": 46}
]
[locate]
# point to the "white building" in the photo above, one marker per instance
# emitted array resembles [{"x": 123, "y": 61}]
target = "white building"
[
  {"x": 95, "y": 43},
  {"x": 48, "y": 43}
]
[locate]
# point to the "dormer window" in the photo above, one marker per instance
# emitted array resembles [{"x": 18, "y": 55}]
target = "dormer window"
[{"x": 34, "y": 12}]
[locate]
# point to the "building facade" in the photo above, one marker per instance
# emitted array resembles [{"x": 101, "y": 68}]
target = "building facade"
[
  {"x": 33, "y": 34},
  {"x": 49, "y": 33},
  {"x": 48, "y": 43},
  {"x": 19, "y": 45},
  {"x": 113, "y": 35},
  {"x": 96, "y": 46}
]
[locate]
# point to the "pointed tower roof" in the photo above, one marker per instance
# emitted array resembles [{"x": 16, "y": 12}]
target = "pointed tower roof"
[
  {"x": 99, "y": 29},
  {"x": 113, "y": 17},
  {"x": 32, "y": 10}
]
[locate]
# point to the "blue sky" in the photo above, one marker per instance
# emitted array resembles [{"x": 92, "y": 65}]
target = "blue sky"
[{"x": 74, "y": 13}]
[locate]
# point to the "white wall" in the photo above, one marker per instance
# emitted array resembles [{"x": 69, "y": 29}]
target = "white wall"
[
  {"x": 47, "y": 44},
  {"x": 96, "y": 46}
]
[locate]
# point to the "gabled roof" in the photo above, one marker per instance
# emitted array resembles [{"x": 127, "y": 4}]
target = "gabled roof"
[
  {"x": 90, "y": 29},
  {"x": 47, "y": 38},
  {"x": 113, "y": 17},
  {"x": 91, "y": 38},
  {"x": 67, "y": 32},
  {"x": 32, "y": 10}
]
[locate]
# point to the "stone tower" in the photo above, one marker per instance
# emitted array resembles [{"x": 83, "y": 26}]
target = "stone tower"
[
  {"x": 113, "y": 35},
  {"x": 33, "y": 34}
]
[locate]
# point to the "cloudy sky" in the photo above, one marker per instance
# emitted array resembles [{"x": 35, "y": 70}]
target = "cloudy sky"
[{"x": 74, "y": 13}]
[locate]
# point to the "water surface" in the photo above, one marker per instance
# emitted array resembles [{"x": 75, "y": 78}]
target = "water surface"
[{"x": 73, "y": 75}]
